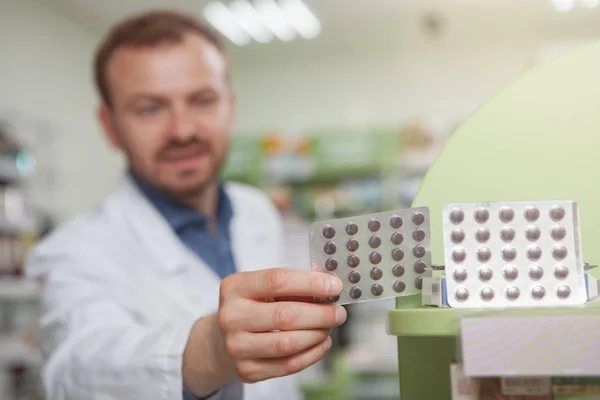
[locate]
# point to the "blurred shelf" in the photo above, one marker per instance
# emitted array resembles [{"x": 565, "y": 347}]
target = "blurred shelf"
[
  {"x": 14, "y": 350},
  {"x": 9, "y": 171},
  {"x": 19, "y": 289}
]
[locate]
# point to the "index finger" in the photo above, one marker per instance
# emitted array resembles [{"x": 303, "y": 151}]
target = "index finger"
[{"x": 286, "y": 282}]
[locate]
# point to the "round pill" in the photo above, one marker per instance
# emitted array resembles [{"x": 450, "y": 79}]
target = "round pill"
[
  {"x": 534, "y": 252},
  {"x": 558, "y": 232},
  {"x": 538, "y": 292},
  {"x": 399, "y": 286},
  {"x": 376, "y": 289},
  {"x": 396, "y": 222},
  {"x": 536, "y": 272},
  {"x": 509, "y": 253},
  {"x": 457, "y": 215},
  {"x": 485, "y": 273},
  {"x": 376, "y": 274},
  {"x": 418, "y": 218},
  {"x": 482, "y": 235},
  {"x": 353, "y": 277},
  {"x": 374, "y": 224},
  {"x": 484, "y": 254},
  {"x": 420, "y": 267},
  {"x": 375, "y": 258},
  {"x": 507, "y": 234},
  {"x": 328, "y": 232},
  {"x": 374, "y": 241},
  {"x": 487, "y": 293},
  {"x": 532, "y": 233},
  {"x": 457, "y": 235},
  {"x": 351, "y": 228},
  {"x": 419, "y": 252},
  {"x": 561, "y": 271},
  {"x": 459, "y": 254},
  {"x": 398, "y": 270},
  {"x": 333, "y": 299},
  {"x": 460, "y": 274},
  {"x": 355, "y": 293},
  {"x": 482, "y": 215},
  {"x": 513, "y": 292},
  {"x": 331, "y": 264},
  {"x": 353, "y": 261},
  {"x": 557, "y": 212},
  {"x": 559, "y": 252},
  {"x": 397, "y": 238},
  {"x": 506, "y": 214},
  {"x": 397, "y": 254},
  {"x": 511, "y": 272},
  {"x": 462, "y": 294},
  {"x": 563, "y": 291},
  {"x": 419, "y": 283},
  {"x": 352, "y": 245},
  {"x": 531, "y": 213},
  {"x": 419, "y": 235},
  {"x": 329, "y": 248}
]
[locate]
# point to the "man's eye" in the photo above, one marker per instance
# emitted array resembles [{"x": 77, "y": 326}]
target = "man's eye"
[
  {"x": 205, "y": 101},
  {"x": 148, "y": 110}
]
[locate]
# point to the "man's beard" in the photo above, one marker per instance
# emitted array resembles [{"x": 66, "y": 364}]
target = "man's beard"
[{"x": 195, "y": 188}]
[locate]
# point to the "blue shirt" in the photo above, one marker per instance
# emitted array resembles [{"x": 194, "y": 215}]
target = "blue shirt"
[
  {"x": 192, "y": 229},
  {"x": 214, "y": 248}
]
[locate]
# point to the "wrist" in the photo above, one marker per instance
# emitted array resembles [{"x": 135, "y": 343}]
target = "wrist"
[{"x": 206, "y": 366}]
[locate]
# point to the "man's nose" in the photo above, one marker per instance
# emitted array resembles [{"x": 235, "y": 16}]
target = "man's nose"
[{"x": 183, "y": 124}]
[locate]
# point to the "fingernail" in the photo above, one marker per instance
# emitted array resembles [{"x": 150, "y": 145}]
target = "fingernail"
[
  {"x": 327, "y": 343},
  {"x": 334, "y": 285},
  {"x": 340, "y": 315}
]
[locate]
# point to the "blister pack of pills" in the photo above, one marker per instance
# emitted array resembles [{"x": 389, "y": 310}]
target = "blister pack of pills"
[
  {"x": 376, "y": 256},
  {"x": 513, "y": 254}
]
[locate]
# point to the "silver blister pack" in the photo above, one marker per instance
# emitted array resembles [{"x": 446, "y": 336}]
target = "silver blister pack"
[
  {"x": 376, "y": 256},
  {"x": 513, "y": 254}
]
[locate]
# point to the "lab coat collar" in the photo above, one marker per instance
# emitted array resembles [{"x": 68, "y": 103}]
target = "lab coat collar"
[
  {"x": 179, "y": 216},
  {"x": 155, "y": 233}
]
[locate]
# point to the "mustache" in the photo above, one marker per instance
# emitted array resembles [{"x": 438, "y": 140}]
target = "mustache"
[{"x": 192, "y": 147}]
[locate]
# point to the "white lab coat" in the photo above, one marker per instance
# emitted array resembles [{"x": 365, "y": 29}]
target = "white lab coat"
[{"x": 121, "y": 293}]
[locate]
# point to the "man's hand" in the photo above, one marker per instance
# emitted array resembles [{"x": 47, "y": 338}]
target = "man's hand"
[
  {"x": 270, "y": 325},
  {"x": 267, "y": 326}
]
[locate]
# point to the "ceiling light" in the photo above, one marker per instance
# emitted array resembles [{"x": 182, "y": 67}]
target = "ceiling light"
[
  {"x": 590, "y": 3},
  {"x": 301, "y": 18},
  {"x": 219, "y": 16},
  {"x": 275, "y": 19},
  {"x": 563, "y": 5},
  {"x": 250, "y": 21}
]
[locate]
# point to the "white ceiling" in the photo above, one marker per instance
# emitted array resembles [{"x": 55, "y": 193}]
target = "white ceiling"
[{"x": 374, "y": 21}]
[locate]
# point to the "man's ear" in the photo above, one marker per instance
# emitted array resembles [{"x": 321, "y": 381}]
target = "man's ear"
[{"x": 108, "y": 126}]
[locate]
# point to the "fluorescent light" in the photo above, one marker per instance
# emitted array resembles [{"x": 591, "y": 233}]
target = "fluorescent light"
[
  {"x": 563, "y": 5},
  {"x": 275, "y": 19},
  {"x": 219, "y": 16},
  {"x": 301, "y": 18},
  {"x": 590, "y": 3},
  {"x": 250, "y": 20}
]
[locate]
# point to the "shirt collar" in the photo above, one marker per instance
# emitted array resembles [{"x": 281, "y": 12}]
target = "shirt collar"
[{"x": 180, "y": 216}]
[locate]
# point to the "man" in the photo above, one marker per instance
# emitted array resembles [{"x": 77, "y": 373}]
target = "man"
[{"x": 171, "y": 287}]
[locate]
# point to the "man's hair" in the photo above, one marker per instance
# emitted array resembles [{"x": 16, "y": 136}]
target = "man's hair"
[{"x": 146, "y": 30}]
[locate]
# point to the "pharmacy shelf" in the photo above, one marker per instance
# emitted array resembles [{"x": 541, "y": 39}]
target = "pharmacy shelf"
[
  {"x": 13, "y": 350},
  {"x": 429, "y": 340},
  {"x": 19, "y": 289}
]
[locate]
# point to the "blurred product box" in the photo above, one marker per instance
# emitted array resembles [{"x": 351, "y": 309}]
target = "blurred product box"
[
  {"x": 567, "y": 388},
  {"x": 522, "y": 388}
]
